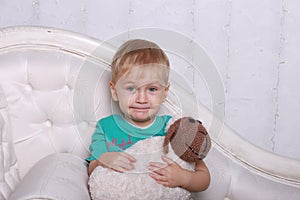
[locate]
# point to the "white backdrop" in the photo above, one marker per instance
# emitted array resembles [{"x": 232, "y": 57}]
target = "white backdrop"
[{"x": 254, "y": 44}]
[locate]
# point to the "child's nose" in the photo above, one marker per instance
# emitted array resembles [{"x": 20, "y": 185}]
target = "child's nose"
[{"x": 141, "y": 96}]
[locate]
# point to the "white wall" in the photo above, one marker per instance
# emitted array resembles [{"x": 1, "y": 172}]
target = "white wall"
[{"x": 254, "y": 44}]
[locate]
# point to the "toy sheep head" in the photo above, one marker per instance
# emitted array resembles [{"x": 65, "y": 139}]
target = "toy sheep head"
[{"x": 189, "y": 139}]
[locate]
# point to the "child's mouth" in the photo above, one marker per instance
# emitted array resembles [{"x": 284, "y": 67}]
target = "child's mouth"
[{"x": 140, "y": 108}]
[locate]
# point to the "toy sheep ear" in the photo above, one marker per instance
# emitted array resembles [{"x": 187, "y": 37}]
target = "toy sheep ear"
[
  {"x": 171, "y": 131},
  {"x": 167, "y": 141},
  {"x": 166, "y": 144}
]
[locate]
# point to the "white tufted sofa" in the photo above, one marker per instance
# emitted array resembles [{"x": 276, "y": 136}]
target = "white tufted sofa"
[{"x": 53, "y": 88}]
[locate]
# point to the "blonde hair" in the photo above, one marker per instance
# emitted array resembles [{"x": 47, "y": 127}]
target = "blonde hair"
[{"x": 137, "y": 52}]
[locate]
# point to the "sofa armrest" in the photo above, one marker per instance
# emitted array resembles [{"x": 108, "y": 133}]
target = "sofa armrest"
[
  {"x": 9, "y": 174},
  {"x": 57, "y": 176}
]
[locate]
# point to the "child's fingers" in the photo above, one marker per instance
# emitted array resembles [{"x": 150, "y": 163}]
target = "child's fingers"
[
  {"x": 167, "y": 160},
  {"x": 158, "y": 168},
  {"x": 126, "y": 162},
  {"x": 120, "y": 161},
  {"x": 129, "y": 157},
  {"x": 123, "y": 167},
  {"x": 162, "y": 180},
  {"x": 155, "y": 166},
  {"x": 158, "y": 177}
]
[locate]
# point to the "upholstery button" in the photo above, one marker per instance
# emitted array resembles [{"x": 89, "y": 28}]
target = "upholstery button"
[
  {"x": 63, "y": 180},
  {"x": 85, "y": 124},
  {"x": 68, "y": 87},
  {"x": 48, "y": 123},
  {"x": 28, "y": 87}
]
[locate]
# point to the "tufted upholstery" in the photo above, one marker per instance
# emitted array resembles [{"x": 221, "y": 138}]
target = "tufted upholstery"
[{"x": 53, "y": 88}]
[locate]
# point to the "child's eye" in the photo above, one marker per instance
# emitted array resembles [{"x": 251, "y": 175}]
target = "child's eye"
[
  {"x": 153, "y": 89},
  {"x": 130, "y": 89}
]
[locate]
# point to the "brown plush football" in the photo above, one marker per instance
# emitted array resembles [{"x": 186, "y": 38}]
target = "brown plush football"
[{"x": 189, "y": 139}]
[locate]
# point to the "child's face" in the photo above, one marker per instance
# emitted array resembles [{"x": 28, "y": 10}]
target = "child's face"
[{"x": 140, "y": 92}]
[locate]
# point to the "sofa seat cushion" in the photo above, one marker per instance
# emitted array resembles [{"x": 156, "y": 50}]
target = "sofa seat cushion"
[{"x": 57, "y": 176}]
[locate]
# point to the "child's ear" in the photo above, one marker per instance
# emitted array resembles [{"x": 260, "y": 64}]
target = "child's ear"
[{"x": 113, "y": 91}]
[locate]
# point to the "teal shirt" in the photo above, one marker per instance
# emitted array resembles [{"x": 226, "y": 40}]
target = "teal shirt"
[{"x": 114, "y": 133}]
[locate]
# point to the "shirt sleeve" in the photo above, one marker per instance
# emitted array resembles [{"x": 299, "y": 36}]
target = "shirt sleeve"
[{"x": 98, "y": 145}]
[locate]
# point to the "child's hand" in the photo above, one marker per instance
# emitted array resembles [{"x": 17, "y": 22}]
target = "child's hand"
[
  {"x": 117, "y": 161},
  {"x": 168, "y": 174}
]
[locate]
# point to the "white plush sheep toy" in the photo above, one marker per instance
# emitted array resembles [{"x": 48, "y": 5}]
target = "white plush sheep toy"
[{"x": 186, "y": 140}]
